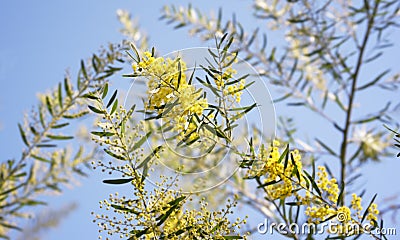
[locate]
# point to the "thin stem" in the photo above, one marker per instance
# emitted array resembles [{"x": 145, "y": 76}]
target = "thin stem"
[{"x": 343, "y": 149}]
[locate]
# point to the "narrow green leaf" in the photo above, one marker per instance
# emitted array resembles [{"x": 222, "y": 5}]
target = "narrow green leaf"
[
  {"x": 296, "y": 170},
  {"x": 315, "y": 186},
  {"x": 112, "y": 98},
  {"x": 76, "y": 115},
  {"x": 49, "y": 106},
  {"x": 284, "y": 154},
  {"x": 269, "y": 183},
  {"x": 114, "y": 155},
  {"x": 31, "y": 202},
  {"x": 136, "y": 52},
  {"x": 326, "y": 147},
  {"x": 83, "y": 69},
  {"x": 118, "y": 181},
  {"x": 139, "y": 143},
  {"x": 103, "y": 134},
  {"x": 60, "y": 95},
  {"x": 177, "y": 200},
  {"x": 161, "y": 219},
  {"x": 96, "y": 110},
  {"x": 12, "y": 189},
  {"x": 179, "y": 74},
  {"x": 23, "y": 136},
  {"x": 374, "y": 81},
  {"x": 91, "y": 95},
  {"x": 67, "y": 87},
  {"x": 105, "y": 91},
  {"x": 46, "y": 145},
  {"x": 114, "y": 107},
  {"x": 60, "y": 125},
  {"x": 59, "y": 137},
  {"x": 40, "y": 158},
  {"x": 367, "y": 209},
  {"x": 10, "y": 226},
  {"x": 41, "y": 116}
]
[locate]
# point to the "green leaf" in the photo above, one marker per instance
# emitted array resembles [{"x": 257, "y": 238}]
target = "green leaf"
[
  {"x": 48, "y": 105},
  {"x": 296, "y": 170},
  {"x": 91, "y": 95},
  {"x": 374, "y": 81},
  {"x": 136, "y": 52},
  {"x": 83, "y": 69},
  {"x": 118, "y": 181},
  {"x": 12, "y": 189},
  {"x": 237, "y": 80},
  {"x": 96, "y": 110},
  {"x": 139, "y": 143},
  {"x": 59, "y": 137},
  {"x": 161, "y": 219},
  {"x": 114, "y": 107},
  {"x": 96, "y": 63},
  {"x": 112, "y": 98},
  {"x": 294, "y": 203},
  {"x": 326, "y": 147},
  {"x": 315, "y": 186},
  {"x": 46, "y": 145},
  {"x": 180, "y": 74},
  {"x": 67, "y": 87},
  {"x": 40, "y": 158},
  {"x": 269, "y": 183},
  {"x": 177, "y": 200},
  {"x": 105, "y": 91},
  {"x": 114, "y": 155},
  {"x": 76, "y": 115},
  {"x": 41, "y": 116},
  {"x": 103, "y": 134},
  {"x": 238, "y": 116},
  {"x": 125, "y": 209},
  {"x": 145, "y": 163},
  {"x": 31, "y": 202},
  {"x": 23, "y": 136},
  {"x": 60, "y": 95},
  {"x": 339, "y": 199},
  {"x": 369, "y": 205},
  {"x": 60, "y": 125},
  {"x": 284, "y": 154},
  {"x": 182, "y": 24},
  {"x": 6, "y": 225}
]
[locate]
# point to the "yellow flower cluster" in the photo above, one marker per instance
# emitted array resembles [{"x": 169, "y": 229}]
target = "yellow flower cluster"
[
  {"x": 221, "y": 79},
  {"x": 372, "y": 213},
  {"x": 167, "y": 84},
  {"x": 235, "y": 90},
  {"x": 318, "y": 214},
  {"x": 277, "y": 170},
  {"x": 281, "y": 181},
  {"x": 329, "y": 186},
  {"x": 356, "y": 203},
  {"x": 161, "y": 212}
]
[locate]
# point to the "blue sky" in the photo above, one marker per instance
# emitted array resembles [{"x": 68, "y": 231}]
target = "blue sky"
[{"x": 40, "y": 39}]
